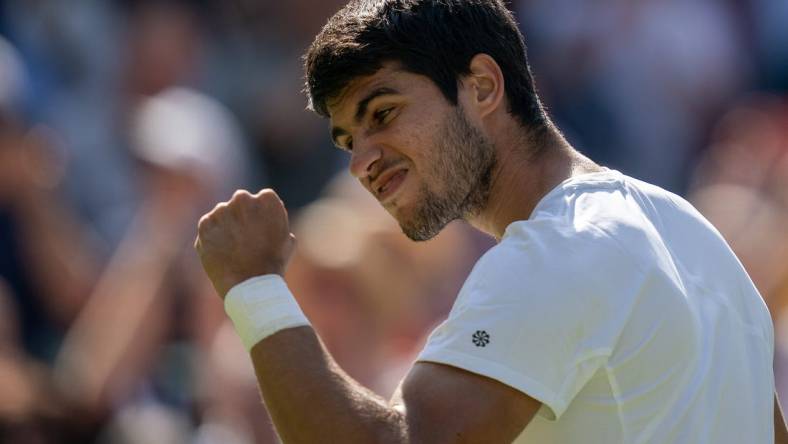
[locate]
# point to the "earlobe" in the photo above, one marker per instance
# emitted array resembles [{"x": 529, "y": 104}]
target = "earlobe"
[{"x": 488, "y": 83}]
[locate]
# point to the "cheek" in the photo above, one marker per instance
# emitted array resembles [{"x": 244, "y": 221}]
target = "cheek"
[{"x": 416, "y": 136}]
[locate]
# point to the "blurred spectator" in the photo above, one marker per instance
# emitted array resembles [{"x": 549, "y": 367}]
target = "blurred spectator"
[
  {"x": 46, "y": 258},
  {"x": 634, "y": 84},
  {"x": 92, "y": 65},
  {"x": 136, "y": 336},
  {"x": 741, "y": 185},
  {"x": 46, "y": 267}
]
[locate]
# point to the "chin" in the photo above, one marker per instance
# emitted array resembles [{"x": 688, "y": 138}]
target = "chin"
[
  {"x": 407, "y": 222},
  {"x": 415, "y": 234},
  {"x": 418, "y": 228},
  {"x": 422, "y": 217}
]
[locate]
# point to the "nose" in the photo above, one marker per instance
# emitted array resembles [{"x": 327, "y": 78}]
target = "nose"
[{"x": 363, "y": 158}]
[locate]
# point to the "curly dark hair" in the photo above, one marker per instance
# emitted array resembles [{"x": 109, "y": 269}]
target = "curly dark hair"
[{"x": 434, "y": 38}]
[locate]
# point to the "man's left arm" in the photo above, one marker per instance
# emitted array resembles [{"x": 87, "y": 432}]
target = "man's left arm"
[{"x": 310, "y": 399}]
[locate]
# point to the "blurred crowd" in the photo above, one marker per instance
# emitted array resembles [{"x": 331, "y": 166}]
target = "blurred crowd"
[{"x": 122, "y": 121}]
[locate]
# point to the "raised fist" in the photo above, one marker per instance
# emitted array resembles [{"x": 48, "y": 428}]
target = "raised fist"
[{"x": 245, "y": 237}]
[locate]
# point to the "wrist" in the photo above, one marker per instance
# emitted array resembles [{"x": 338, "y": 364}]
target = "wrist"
[
  {"x": 261, "y": 306},
  {"x": 229, "y": 281}
]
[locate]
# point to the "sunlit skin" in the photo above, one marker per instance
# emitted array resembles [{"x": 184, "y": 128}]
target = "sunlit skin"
[
  {"x": 389, "y": 144},
  {"x": 396, "y": 131}
]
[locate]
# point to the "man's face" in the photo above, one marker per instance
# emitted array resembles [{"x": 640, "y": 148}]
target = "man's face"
[{"x": 414, "y": 151}]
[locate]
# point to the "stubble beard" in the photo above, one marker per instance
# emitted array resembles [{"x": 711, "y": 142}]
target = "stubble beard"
[{"x": 462, "y": 166}]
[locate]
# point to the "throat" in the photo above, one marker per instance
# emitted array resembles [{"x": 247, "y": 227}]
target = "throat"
[{"x": 518, "y": 185}]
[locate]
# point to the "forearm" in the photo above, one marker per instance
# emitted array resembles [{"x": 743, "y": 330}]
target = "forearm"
[{"x": 310, "y": 399}]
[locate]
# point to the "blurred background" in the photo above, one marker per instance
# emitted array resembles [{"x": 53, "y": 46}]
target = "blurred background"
[{"x": 121, "y": 122}]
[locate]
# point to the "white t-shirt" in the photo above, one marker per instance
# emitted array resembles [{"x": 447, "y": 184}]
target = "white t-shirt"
[{"x": 621, "y": 309}]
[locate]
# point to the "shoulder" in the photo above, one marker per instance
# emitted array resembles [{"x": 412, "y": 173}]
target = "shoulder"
[
  {"x": 554, "y": 255},
  {"x": 541, "y": 310}
]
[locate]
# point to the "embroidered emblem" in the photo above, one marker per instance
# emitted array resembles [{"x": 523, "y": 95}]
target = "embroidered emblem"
[{"x": 481, "y": 338}]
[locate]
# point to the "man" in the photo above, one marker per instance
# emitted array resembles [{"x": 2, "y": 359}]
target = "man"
[{"x": 610, "y": 311}]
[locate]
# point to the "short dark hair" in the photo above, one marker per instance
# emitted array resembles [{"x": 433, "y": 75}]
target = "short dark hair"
[{"x": 434, "y": 38}]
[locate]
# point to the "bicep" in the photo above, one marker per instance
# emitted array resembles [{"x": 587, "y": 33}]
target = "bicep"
[{"x": 444, "y": 404}]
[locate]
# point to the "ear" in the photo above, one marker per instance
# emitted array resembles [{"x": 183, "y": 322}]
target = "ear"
[{"x": 484, "y": 85}]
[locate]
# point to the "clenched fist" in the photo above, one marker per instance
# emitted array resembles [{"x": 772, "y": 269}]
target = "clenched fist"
[{"x": 245, "y": 237}]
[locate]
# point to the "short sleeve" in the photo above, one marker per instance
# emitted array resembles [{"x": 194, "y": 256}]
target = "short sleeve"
[{"x": 541, "y": 312}]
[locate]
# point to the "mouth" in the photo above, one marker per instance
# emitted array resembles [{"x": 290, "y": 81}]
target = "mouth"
[{"x": 388, "y": 183}]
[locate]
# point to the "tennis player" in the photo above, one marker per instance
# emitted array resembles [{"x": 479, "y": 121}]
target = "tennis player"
[{"x": 610, "y": 311}]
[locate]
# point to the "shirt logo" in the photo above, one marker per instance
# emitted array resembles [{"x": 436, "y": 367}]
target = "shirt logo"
[{"x": 481, "y": 338}]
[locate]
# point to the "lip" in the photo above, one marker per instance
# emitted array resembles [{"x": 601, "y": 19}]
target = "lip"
[{"x": 388, "y": 183}]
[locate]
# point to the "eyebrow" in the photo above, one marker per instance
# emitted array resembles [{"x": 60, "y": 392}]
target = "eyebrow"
[{"x": 361, "y": 109}]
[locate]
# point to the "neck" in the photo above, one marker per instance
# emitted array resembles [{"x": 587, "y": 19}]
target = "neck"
[{"x": 521, "y": 179}]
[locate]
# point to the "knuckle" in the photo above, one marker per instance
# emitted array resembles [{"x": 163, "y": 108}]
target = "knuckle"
[
  {"x": 208, "y": 220},
  {"x": 220, "y": 208},
  {"x": 267, "y": 194},
  {"x": 240, "y": 194},
  {"x": 204, "y": 220}
]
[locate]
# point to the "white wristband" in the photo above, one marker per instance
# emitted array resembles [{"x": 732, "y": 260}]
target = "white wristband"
[{"x": 261, "y": 306}]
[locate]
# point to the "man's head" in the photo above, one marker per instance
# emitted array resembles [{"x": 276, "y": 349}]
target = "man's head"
[
  {"x": 434, "y": 38},
  {"x": 395, "y": 78}
]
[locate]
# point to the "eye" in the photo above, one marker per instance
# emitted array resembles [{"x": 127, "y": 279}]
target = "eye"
[
  {"x": 381, "y": 115},
  {"x": 348, "y": 145}
]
